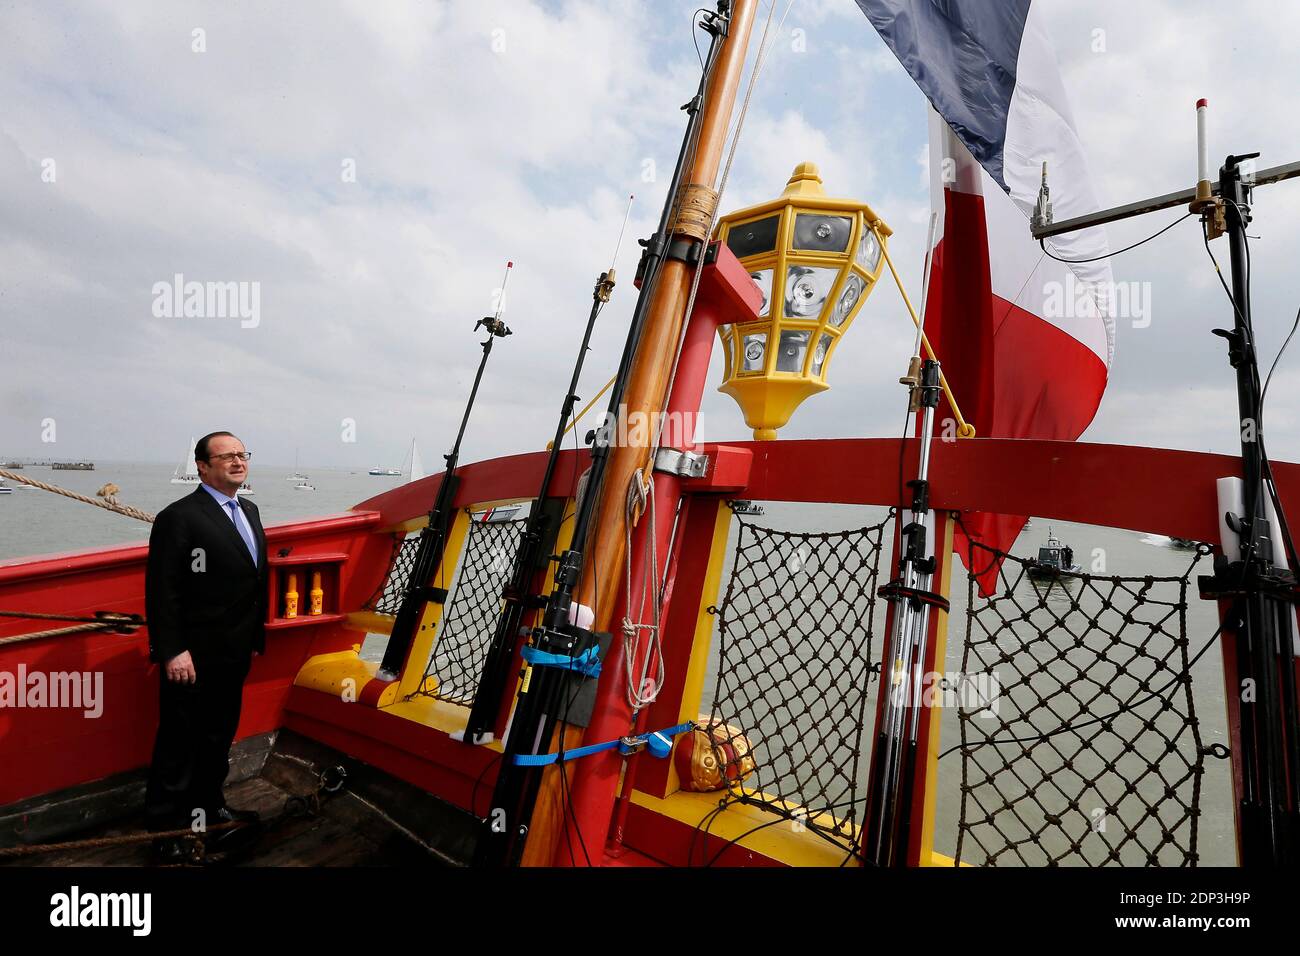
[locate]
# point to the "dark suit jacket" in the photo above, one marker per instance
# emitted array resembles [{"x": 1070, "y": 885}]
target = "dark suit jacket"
[{"x": 211, "y": 602}]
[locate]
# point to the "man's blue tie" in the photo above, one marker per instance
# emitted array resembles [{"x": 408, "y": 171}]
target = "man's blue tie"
[{"x": 233, "y": 505}]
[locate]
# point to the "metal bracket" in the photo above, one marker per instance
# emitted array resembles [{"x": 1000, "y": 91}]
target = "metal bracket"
[{"x": 685, "y": 464}]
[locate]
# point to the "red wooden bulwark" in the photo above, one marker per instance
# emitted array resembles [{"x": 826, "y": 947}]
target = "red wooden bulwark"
[
  {"x": 49, "y": 748},
  {"x": 1167, "y": 492}
]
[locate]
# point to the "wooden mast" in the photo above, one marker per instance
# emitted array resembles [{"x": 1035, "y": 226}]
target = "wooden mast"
[{"x": 647, "y": 388}]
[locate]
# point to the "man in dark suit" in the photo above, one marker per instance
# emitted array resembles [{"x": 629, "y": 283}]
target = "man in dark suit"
[{"x": 206, "y": 601}]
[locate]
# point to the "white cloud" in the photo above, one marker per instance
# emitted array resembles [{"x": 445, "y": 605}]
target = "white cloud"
[{"x": 227, "y": 165}]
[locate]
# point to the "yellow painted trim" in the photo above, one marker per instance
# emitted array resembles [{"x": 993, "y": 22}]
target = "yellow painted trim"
[
  {"x": 781, "y": 841},
  {"x": 938, "y": 859},
  {"x": 418, "y": 523},
  {"x": 330, "y": 674},
  {"x": 422, "y": 646},
  {"x": 342, "y": 674},
  {"x": 438, "y": 714},
  {"x": 697, "y": 667},
  {"x": 940, "y": 652},
  {"x": 369, "y": 622}
]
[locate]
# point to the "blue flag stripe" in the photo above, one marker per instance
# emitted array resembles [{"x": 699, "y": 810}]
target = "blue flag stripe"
[{"x": 962, "y": 54}]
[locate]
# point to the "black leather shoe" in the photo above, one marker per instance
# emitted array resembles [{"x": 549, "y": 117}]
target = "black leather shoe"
[
  {"x": 227, "y": 814},
  {"x": 172, "y": 851}
]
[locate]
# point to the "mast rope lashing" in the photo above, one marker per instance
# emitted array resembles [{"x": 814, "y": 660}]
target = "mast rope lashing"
[
  {"x": 964, "y": 428},
  {"x": 694, "y": 209},
  {"x": 107, "y": 501},
  {"x": 657, "y": 742}
]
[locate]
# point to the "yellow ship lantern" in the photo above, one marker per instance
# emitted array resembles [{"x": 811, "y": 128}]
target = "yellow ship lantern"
[{"x": 816, "y": 259}]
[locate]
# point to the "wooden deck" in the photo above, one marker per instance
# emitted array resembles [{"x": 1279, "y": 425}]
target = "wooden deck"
[{"x": 356, "y": 826}]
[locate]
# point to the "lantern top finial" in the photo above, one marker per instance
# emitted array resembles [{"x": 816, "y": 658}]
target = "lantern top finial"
[{"x": 805, "y": 181}]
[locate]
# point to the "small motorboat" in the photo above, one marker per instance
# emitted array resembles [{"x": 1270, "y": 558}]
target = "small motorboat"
[
  {"x": 304, "y": 486},
  {"x": 1054, "y": 559}
]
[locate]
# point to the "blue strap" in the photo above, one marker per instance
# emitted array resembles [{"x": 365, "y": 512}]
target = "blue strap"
[
  {"x": 588, "y": 662},
  {"x": 658, "y": 742}
]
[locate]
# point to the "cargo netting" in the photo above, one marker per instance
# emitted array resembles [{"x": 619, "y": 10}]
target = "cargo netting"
[
  {"x": 794, "y": 673},
  {"x": 473, "y": 606},
  {"x": 1093, "y": 754},
  {"x": 387, "y": 598}
]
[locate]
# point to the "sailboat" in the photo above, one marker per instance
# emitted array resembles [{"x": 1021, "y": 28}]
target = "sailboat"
[
  {"x": 187, "y": 472},
  {"x": 417, "y": 466},
  {"x": 297, "y": 475}
]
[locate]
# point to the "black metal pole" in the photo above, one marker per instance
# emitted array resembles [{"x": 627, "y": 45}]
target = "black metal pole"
[
  {"x": 500, "y": 653},
  {"x": 1268, "y": 727},
  {"x": 542, "y": 689},
  {"x": 433, "y": 537}
]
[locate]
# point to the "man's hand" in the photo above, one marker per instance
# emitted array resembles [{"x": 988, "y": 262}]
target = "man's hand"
[{"x": 180, "y": 669}]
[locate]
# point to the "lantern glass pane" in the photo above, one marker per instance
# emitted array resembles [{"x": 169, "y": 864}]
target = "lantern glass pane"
[
  {"x": 868, "y": 256},
  {"x": 806, "y": 290},
  {"x": 763, "y": 279},
  {"x": 819, "y": 356},
  {"x": 753, "y": 352},
  {"x": 820, "y": 233},
  {"x": 794, "y": 346},
  {"x": 849, "y": 298},
  {"x": 754, "y": 238}
]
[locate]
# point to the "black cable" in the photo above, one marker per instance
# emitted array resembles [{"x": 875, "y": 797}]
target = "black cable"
[
  {"x": 1043, "y": 244},
  {"x": 695, "y": 37},
  {"x": 1272, "y": 368},
  {"x": 1266, "y": 463},
  {"x": 727, "y": 845},
  {"x": 564, "y": 784}
]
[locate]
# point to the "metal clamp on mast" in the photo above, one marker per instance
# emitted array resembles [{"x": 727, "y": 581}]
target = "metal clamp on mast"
[{"x": 419, "y": 591}]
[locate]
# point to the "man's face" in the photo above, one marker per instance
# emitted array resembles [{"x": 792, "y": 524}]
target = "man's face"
[{"x": 224, "y": 474}]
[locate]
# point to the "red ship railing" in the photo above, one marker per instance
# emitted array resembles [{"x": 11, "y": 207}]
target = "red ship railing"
[{"x": 312, "y": 680}]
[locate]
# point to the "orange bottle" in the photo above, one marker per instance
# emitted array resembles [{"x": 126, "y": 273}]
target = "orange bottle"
[
  {"x": 317, "y": 595},
  {"x": 291, "y": 597}
]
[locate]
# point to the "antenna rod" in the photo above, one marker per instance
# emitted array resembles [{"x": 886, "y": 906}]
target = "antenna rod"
[{"x": 419, "y": 590}]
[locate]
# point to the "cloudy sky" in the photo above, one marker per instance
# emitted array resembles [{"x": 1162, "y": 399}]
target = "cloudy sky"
[{"x": 372, "y": 165}]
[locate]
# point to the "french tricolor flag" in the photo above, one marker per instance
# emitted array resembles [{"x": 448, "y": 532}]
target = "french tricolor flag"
[{"x": 1026, "y": 341}]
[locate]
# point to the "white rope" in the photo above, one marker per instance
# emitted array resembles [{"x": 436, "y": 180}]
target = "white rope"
[{"x": 641, "y": 690}]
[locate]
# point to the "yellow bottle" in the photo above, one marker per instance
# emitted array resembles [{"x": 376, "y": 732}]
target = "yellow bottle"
[
  {"x": 291, "y": 597},
  {"x": 317, "y": 595}
]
